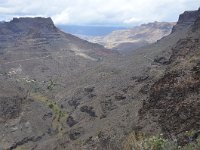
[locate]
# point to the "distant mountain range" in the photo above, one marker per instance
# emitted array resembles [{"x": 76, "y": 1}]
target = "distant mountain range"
[
  {"x": 89, "y": 30},
  {"x": 127, "y": 40}
]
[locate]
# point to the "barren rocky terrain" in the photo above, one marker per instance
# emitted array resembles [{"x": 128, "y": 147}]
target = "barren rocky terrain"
[{"x": 59, "y": 92}]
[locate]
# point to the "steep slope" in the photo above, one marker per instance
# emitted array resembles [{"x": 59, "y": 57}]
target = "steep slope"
[
  {"x": 128, "y": 40},
  {"x": 174, "y": 98},
  {"x": 40, "y": 35},
  {"x": 36, "y": 62}
]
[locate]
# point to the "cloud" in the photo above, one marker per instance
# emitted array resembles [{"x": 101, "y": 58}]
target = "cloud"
[{"x": 98, "y": 12}]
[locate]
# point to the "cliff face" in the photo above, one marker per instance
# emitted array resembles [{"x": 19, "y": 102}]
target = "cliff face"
[
  {"x": 186, "y": 20},
  {"x": 196, "y": 26},
  {"x": 188, "y": 17},
  {"x": 174, "y": 99},
  {"x": 27, "y": 25}
]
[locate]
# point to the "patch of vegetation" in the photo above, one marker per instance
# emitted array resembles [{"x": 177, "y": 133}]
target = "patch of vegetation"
[
  {"x": 59, "y": 115},
  {"x": 37, "y": 91},
  {"x": 21, "y": 148},
  {"x": 139, "y": 141},
  {"x": 190, "y": 133},
  {"x": 193, "y": 145},
  {"x": 51, "y": 106}
]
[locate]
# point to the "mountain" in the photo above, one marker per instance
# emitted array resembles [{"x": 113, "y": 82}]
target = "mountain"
[
  {"x": 97, "y": 99},
  {"x": 127, "y": 40},
  {"x": 25, "y": 29},
  {"x": 36, "y": 57},
  {"x": 38, "y": 40},
  {"x": 92, "y": 30}
]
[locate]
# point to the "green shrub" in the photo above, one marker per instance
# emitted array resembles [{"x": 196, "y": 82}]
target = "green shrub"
[{"x": 51, "y": 106}]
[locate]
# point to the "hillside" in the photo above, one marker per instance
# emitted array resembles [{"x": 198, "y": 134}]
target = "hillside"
[
  {"x": 41, "y": 50},
  {"x": 174, "y": 98},
  {"x": 38, "y": 61},
  {"x": 128, "y": 40}
]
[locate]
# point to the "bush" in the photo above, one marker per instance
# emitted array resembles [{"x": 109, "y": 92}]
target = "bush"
[{"x": 51, "y": 106}]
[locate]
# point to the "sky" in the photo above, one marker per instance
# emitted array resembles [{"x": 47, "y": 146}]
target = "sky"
[{"x": 98, "y": 12}]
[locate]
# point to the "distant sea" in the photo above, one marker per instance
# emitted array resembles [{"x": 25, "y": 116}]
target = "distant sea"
[{"x": 89, "y": 30}]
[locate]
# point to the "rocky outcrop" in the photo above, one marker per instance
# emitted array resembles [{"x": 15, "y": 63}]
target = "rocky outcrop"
[
  {"x": 196, "y": 26},
  {"x": 188, "y": 17},
  {"x": 186, "y": 20},
  {"x": 27, "y": 26}
]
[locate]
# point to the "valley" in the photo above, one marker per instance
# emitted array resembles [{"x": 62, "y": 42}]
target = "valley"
[{"x": 60, "y": 92}]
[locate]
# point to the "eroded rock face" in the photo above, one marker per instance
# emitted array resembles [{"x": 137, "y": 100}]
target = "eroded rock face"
[
  {"x": 186, "y": 20},
  {"x": 188, "y": 16},
  {"x": 27, "y": 25},
  {"x": 196, "y": 26}
]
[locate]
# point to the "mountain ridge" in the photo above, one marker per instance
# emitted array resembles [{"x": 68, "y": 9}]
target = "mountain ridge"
[{"x": 128, "y": 40}]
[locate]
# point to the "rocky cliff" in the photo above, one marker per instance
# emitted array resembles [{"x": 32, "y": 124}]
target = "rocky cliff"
[
  {"x": 27, "y": 25},
  {"x": 186, "y": 20}
]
